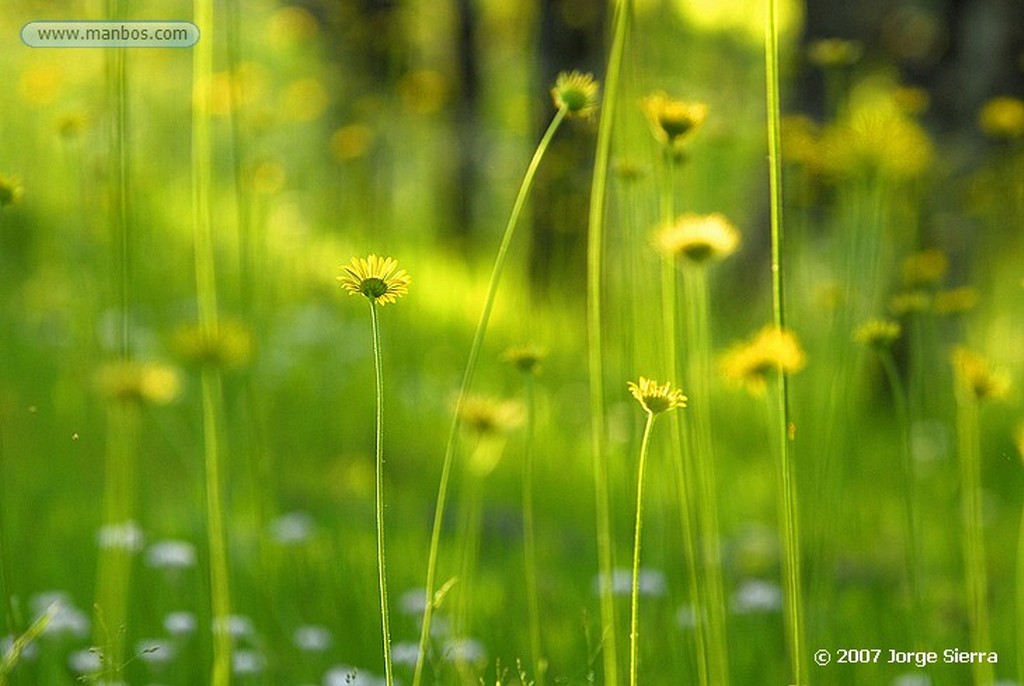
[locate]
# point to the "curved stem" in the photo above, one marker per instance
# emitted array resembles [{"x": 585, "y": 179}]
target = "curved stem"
[
  {"x": 634, "y": 604},
  {"x": 379, "y": 454},
  {"x": 467, "y": 378}
]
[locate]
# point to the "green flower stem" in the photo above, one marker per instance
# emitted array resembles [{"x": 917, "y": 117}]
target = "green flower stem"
[
  {"x": 382, "y": 582},
  {"x": 212, "y": 394},
  {"x": 467, "y": 379},
  {"x": 976, "y": 578},
  {"x": 899, "y": 397},
  {"x": 6, "y": 587},
  {"x": 699, "y": 333},
  {"x": 211, "y": 382},
  {"x": 634, "y": 604},
  {"x": 684, "y": 470},
  {"x": 115, "y": 565},
  {"x": 787, "y": 484},
  {"x": 530, "y": 538},
  {"x": 595, "y": 344},
  {"x": 1020, "y": 596}
]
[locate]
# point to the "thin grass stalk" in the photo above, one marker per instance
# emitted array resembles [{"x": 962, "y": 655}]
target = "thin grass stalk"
[
  {"x": 634, "y": 603},
  {"x": 1020, "y": 597},
  {"x": 595, "y": 340},
  {"x": 976, "y": 577},
  {"x": 13, "y": 618},
  {"x": 899, "y": 398},
  {"x": 211, "y": 382},
  {"x": 683, "y": 469},
  {"x": 115, "y": 566},
  {"x": 530, "y": 538},
  {"x": 467, "y": 379},
  {"x": 789, "y": 516},
  {"x": 382, "y": 581},
  {"x": 699, "y": 332}
]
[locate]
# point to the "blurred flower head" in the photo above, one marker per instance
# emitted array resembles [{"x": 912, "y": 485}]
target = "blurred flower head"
[
  {"x": 699, "y": 238},
  {"x": 801, "y": 141},
  {"x": 656, "y": 398},
  {"x": 770, "y": 350},
  {"x": 974, "y": 375},
  {"x": 835, "y": 52},
  {"x": 1002, "y": 117},
  {"x": 576, "y": 93},
  {"x": 487, "y": 416},
  {"x": 879, "y": 334},
  {"x": 11, "y": 190},
  {"x": 876, "y": 136},
  {"x": 525, "y": 358},
  {"x": 956, "y": 300},
  {"x": 672, "y": 121},
  {"x": 377, "y": 278},
  {"x": 229, "y": 345},
  {"x": 139, "y": 382},
  {"x": 925, "y": 268}
]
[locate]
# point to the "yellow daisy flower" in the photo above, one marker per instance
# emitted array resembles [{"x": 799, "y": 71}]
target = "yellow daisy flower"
[
  {"x": 655, "y": 398},
  {"x": 377, "y": 278},
  {"x": 672, "y": 121}
]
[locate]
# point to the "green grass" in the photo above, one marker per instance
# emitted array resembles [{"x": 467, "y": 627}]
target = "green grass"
[{"x": 261, "y": 477}]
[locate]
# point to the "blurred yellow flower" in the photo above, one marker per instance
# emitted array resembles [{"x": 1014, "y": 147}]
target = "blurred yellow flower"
[
  {"x": 229, "y": 346},
  {"x": 771, "y": 349},
  {"x": 488, "y": 416},
  {"x": 699, "y": 238},
  {"x": 351, "y": 141},
  {"x": 672, "y": 121},
  {"x": 974, "y": 375},
  {"x": 801, "y": 141},
  {"x": 835, "y": 52},
  {"x": 655, "y": 398},
  {"x": 910, "y": 301},
  {"x": 525, "y": 358},
  {"x": 11, "y": 190},
  {"x": 878, "y": 333},
  {"x": 1002, "y": 117},
  {"x": 576, "y": 93},
  {"x": 925, "y": 268},
  {"x": 139, "y": 382},
  {"x": 377, "y": 278},
  {"x": 956, "y": 300},
  {"x": 877, "y": 141}
]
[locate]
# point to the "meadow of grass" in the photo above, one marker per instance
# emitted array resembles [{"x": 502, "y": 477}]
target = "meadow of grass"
[{"x": 207, "y": 447}]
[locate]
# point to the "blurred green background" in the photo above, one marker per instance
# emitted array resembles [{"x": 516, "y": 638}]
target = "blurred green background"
[{"x": 403, "y": 128}]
